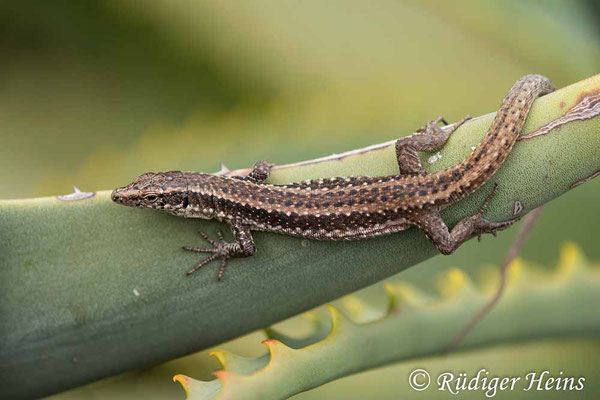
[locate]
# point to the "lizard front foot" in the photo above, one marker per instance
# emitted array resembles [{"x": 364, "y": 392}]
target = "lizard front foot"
[{"x": 221, "y": 249}]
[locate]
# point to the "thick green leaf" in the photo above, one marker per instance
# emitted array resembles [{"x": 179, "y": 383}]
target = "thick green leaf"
[{"x": 534, "y": 306}]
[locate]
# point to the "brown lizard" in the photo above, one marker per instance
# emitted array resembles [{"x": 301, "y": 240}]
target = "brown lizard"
[{"x": 345, "y": 208}]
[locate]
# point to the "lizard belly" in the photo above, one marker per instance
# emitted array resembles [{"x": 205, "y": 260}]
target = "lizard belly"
[{"x": 353, "y": 232}]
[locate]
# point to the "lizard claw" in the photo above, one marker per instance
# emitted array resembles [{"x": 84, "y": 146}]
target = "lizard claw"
[
  {"x": 456, "y": 125},
  {"x": 485, "y": 226},
  {"x": 208, "y": 239}
]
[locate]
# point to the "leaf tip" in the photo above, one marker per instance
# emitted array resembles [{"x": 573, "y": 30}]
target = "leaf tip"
[
  {"x": 571, "y": 259},
  {"x": 404, "y": 297},
  {"x": 454, "y": 283},
  {"x": 276, "y": 349},
  {"x": 517, "y": 271},
  {"x": 391, "y": 298},
  {"x": 184, "y": 381},
  {"x": 339, "y": 322},
  {"x": 221, "y": 357}
]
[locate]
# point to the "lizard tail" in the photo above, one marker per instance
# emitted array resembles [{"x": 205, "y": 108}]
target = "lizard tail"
[{"x": 491, "y": 153}]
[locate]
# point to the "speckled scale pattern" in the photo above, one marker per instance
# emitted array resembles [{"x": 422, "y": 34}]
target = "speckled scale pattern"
[{"x": 347, "y": 207}]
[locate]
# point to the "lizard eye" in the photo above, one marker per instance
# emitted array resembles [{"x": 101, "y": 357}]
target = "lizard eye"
[{"x": 151, "y": 197}]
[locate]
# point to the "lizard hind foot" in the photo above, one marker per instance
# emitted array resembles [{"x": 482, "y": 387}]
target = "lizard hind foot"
[{"x": 482, "y": 225}]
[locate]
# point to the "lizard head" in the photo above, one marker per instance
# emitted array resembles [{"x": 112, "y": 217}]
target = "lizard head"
[{"x": 163, "y": 191}]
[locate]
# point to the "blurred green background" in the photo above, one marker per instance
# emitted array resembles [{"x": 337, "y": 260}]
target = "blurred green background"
[{"x": 95, "y": 93}]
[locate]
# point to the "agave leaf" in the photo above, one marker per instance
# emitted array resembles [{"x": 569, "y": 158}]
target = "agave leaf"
[{"x": 534, "y": 306}]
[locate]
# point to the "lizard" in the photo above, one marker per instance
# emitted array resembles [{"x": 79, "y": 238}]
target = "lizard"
[{"x": 345, "y": 208}]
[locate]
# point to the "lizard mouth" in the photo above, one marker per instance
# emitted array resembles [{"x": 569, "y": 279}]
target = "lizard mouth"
[{"x": 117, "y": 197}]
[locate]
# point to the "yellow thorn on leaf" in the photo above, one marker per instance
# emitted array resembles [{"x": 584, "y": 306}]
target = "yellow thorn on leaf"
[
  {"x": 516, "y": 272},
  {"x": 277, "y": 351},
  {"x": 404, "y": 297},
  {"x": 339, "y": 322},
  {"x": 455, "y": 283},
  {"x": 360, "y": 311},
  {"x": 184, "y": 381},
  {"x": 571, "y": 259}
]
